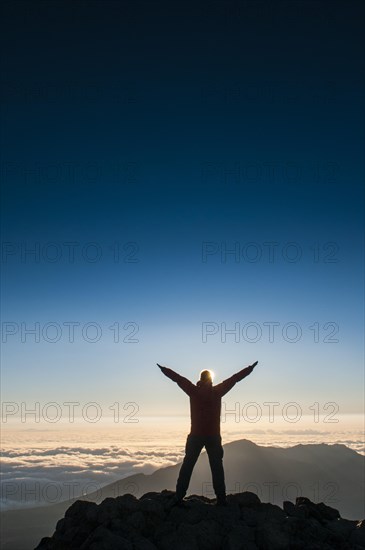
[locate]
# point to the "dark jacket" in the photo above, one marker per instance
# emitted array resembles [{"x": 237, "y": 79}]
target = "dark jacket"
[{"x": 205, "y": 400}]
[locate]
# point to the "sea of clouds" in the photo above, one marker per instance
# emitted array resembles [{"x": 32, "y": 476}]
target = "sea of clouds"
[
  {"x": 36, "y": 476},
  {"x": 39, "y": 467}
]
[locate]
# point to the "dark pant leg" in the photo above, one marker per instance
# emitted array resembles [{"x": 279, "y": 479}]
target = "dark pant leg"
[
  {"x": 215, "y": 453},
  {"x": 194, "y": 444}
]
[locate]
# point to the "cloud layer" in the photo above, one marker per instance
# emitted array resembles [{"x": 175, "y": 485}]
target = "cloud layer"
[{"x": 39, "y": 473}]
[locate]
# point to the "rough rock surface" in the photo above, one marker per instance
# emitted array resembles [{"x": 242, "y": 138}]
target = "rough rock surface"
[{"x": 151, "y": 522}]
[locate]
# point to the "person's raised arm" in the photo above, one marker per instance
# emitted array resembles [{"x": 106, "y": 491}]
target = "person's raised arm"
[
  {"x": 225, "y": 386},
  {"x": 185, "y": 384}
]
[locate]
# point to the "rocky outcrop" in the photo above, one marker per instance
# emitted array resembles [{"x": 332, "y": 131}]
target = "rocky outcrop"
[{"x": 152, "y": 522}]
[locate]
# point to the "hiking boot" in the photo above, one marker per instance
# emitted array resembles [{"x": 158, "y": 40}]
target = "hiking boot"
[
  {"x": 221, "y": 501},
  {"x": 178, "y": 501}
]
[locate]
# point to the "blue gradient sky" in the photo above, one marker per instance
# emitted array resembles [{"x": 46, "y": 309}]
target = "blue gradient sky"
[{"x": 171, "y": 126}]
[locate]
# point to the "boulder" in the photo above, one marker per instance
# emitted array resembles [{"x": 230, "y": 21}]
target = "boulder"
[{"x": 152, "y": 523}]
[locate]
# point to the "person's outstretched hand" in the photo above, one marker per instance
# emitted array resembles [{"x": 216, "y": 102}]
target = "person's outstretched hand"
[{"x": 251, "y": 367}]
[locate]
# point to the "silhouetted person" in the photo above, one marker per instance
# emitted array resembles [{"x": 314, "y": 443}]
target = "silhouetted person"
[{"x": 205, "y": 412}]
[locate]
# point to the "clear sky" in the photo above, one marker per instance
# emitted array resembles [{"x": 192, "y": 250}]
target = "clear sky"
[{"x": 141, "y": 146}]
